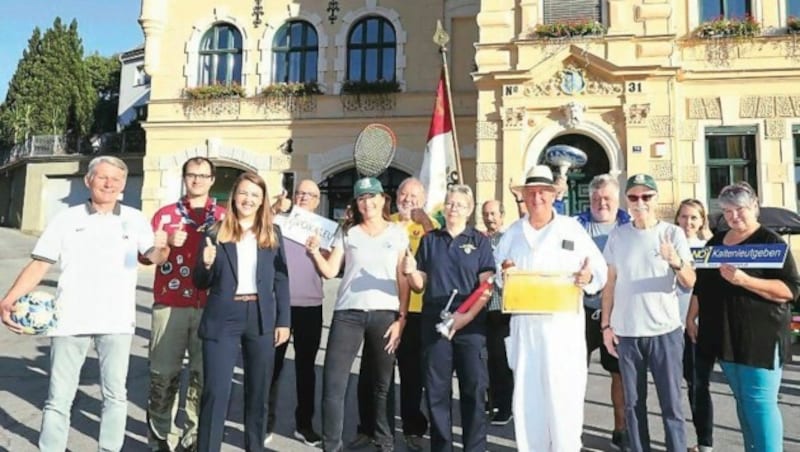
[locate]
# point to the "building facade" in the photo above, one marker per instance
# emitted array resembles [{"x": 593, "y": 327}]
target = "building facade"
[
  {"x": 698, "y": 93},
  {"x": 651, "y": 86},
  {"x": 134, "y": 90},
  {"x": 349, "y": 62}
]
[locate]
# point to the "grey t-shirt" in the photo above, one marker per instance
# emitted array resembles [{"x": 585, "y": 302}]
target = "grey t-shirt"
[
  {"x": 370, "y": 268},
  {"x": 599, "y": 233},
  {"x": 646, "y": 289}
]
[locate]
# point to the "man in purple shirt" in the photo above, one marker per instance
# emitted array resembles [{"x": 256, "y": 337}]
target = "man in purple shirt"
[{"x": 305, "y": 288}]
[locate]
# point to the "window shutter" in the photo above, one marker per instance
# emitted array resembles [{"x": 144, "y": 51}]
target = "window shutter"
[{"x": 556, "y": 11}]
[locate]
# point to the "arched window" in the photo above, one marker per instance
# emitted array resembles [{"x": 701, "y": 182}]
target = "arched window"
[
  {"x": 371, "y": 50},
  {"x": 294, "y": 52},
  {"x": 221, "y": 56}
]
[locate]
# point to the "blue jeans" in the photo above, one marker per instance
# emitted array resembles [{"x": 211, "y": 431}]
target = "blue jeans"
[
  {"x": 349, "y": 328},
  {"x": 67, "y": 355},
  {"x": 663, "y": 354},
  {"x": 756, "y": 392}
]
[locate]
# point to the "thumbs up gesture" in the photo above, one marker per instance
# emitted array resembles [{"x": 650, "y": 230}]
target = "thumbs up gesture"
[
  {"x": 178, "y": 237},
  {"x": 584, "y": 275},
  {"x": 667, "y": 251},
  {"x": 209, "y": 253},
  {"x": 409, "y": 264},
  {"x": 160, "y": 237}
]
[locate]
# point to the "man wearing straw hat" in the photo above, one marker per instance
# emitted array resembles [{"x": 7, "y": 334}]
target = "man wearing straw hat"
[{"x": 548, "y": 351}]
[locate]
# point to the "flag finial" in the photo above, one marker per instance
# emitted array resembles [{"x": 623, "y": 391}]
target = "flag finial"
[{"x": 440, "y": 36}]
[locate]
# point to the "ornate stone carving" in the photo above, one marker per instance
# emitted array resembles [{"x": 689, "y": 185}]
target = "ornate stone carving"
[
  {"x": 713, "y": 110},
  {"x": 572, "y": 81},
  {"x": 486, "y": 130},
  {"x": 368, "y": 102},
  {"x": 689, "y": 174},
  {"x": 636, "y": 114},
  {"x": 766, "y": 107},
  {"x": 513, "y": 117},
  {"x": 775, "y": 128},
  {"x": 704, "y": 108},
  {"x": 783, "y": 107},
  {"x": 573, "y": 113},
  {"x": 486, "y": 172},
  {"x": 688, "y": 130},
  {"x": 661, "y": 170},
  {"x": 229, "y": 108},
  {"x": 660, "y": 126},
  {"x": 287, "y": 105},
  {"x": 748, "y": 106}
]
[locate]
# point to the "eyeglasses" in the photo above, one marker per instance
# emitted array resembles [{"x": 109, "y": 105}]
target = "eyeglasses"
[
  {"x": 192, "y": 176},
  {"x": 456, "y": 206},
  {"x": 306, "y": 194},
  {"x": 646, "y": 197}
]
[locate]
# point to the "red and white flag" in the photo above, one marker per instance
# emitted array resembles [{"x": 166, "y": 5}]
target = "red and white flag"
[{"x": 439, "y": 164}]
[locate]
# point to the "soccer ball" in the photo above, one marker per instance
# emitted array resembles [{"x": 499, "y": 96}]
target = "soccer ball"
[{"x": 35, "y": 313}]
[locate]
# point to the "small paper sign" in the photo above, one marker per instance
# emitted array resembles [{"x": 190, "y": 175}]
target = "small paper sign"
[
  {"x": 301, "y": 224},
  {"x": 771, "y": 255}
]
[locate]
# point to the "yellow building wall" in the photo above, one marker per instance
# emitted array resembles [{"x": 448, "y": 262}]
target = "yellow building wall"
[{"x": 650, "y": 91}]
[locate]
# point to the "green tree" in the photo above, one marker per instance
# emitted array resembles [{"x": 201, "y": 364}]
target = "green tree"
[
  {"x": 104, "y": 73},
  {"x": 51, "y": 91}
]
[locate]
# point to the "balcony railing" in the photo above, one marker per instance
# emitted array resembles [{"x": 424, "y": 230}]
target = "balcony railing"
[{"x": 131, "y": 141}]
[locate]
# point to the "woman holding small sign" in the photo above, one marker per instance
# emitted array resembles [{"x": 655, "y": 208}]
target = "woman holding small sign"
[{"x": 745, "y": 316}]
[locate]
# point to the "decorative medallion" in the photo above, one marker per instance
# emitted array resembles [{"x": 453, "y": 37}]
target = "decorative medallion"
[{"x": 572, "y": 81}]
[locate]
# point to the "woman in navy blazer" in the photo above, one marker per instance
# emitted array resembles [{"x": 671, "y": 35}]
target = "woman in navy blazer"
[{"x": 248, "y": 307}]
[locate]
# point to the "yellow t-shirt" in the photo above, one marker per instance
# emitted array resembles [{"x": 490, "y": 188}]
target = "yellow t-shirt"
[{"x": 415, "y": 234}]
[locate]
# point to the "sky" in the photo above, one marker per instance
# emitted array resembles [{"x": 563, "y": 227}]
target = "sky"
[{"x": 106, "y": 26}]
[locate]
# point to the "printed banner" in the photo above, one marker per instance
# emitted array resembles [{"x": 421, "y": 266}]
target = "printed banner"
[
  {"x": 770, "y": 255},
  {"x": 301, "y": 224}
]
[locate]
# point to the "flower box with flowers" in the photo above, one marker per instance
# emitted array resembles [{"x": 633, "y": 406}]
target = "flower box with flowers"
[
  {"x": 215, "y": 91},
  {"x": 291, "y": 89},
  {"x": 572, "y": 29},
  {"x": 722, "y": 27}
]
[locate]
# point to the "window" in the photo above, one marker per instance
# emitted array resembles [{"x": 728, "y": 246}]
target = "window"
[
  {"x": 371, "y": 50},
  {"x": 221, "y": 56},
  {"x": 792, "y": 8},
  {"x": 731, "y": 157},
  {"x": 141, "y": 112},
  {"x": 731, "y": 9},
  {"x": 141, "y": 77},
  {"x": 556, "y": 11},
  {"x": 294, "y": 53},
  {"x": 796, "y": 142}
]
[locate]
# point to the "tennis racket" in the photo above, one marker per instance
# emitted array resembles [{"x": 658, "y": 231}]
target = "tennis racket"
[{"x": 374, "y": 150}]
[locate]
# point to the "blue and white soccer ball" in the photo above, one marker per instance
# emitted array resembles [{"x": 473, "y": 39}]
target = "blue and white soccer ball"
[{"x": 35, "y": 313}]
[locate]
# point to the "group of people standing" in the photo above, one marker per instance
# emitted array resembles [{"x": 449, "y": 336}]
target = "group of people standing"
[{"x": 227, "y": 281}]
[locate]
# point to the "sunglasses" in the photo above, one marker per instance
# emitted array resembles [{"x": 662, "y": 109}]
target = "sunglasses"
[{"x": 646, "y": 197}]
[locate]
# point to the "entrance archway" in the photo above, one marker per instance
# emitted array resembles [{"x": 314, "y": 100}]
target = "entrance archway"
[
  {"x": 338, "y": 189},
  {"x": 578, "y": 179},
  {"x": 223, "y": 183}
]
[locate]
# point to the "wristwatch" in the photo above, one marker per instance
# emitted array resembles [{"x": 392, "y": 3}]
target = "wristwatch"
[
  {"x": 680, "y": 266},
  {"x": 605, "y": 327},
  {"x": 519, "y": 201}
]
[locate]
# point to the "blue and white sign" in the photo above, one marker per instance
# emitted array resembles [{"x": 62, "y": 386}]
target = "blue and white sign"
[
  {"x": 559, "y": 154},
  {"x": 771, "y": 255}
]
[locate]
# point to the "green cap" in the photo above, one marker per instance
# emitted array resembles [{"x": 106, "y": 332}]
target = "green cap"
[
  {"x": 645, "y": 180},
  {"x": 367, "y": 186}
]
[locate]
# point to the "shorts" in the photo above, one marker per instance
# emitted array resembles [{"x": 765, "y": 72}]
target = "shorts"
[{"x": 594, "y": 340}]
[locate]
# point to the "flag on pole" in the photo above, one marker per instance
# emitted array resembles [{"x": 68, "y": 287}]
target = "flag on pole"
[{"x": 439, "y": 163}]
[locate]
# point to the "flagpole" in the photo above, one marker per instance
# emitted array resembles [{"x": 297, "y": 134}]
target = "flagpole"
[{"x": 441, "y": 38}]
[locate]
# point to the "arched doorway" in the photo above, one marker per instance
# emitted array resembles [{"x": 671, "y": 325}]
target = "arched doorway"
[
  {"x": 223, "y": 183},
  {"x": 338, "y": 188},
  {"x": 579, "y": 178}
]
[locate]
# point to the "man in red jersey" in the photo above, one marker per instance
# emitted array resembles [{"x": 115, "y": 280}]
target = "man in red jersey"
[{"x": 177, "y": 308}]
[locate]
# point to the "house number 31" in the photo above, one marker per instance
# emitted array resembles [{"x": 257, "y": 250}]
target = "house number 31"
[{"x": 634, "y": 87}]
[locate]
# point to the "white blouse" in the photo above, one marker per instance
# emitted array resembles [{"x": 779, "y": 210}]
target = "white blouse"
[{"x": 246, "y": 257}]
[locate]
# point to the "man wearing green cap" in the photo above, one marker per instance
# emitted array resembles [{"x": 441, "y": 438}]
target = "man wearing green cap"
[{"x": 640, "y": 317}]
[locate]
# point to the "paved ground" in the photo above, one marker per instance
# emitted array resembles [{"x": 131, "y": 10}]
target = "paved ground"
[{"x": 24, "y": 367}]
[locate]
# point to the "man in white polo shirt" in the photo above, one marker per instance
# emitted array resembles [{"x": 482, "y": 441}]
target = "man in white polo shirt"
[{"x": 96, "y": 244}]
